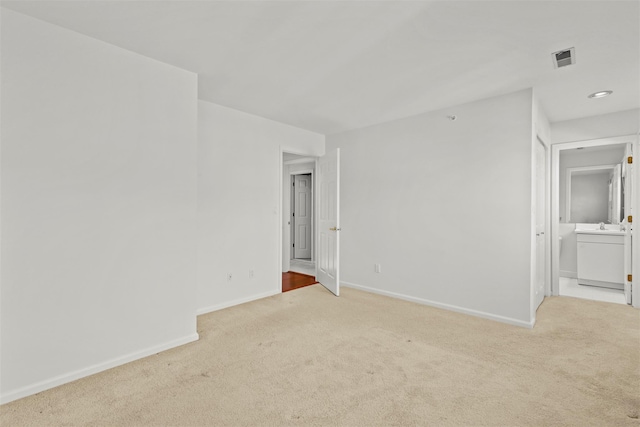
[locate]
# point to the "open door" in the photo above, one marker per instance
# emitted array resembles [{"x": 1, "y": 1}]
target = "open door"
[
  {"x": 541, "y": 223},
  {"x": 328, "y": 258},
  {"x": 627, "y": 184}
]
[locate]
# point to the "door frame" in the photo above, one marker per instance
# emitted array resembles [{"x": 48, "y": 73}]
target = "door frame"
[
  {"x": 555, "y": 204},
  {"x": 280, "y": 220},
  {"x": 313, "y": 204}
]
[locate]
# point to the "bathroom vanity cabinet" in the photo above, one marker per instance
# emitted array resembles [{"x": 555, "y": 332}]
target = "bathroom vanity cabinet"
[{"x": 601, "y": 258}]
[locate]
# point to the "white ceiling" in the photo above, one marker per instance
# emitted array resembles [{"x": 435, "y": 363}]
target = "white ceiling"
[
  {"x": 606, "y": 150},
  {"x": 329, "y": 66}
]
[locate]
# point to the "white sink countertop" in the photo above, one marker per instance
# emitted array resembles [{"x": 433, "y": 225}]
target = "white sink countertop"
[{"x": 609, "y": 229}]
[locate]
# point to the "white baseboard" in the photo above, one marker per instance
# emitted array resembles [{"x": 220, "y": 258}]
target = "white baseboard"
[
  {"x": 569, "y": 274},
  {"x": 94, "y": 369},
  {"x": 449, "y": 307},
  {"x": 211, "y": 308}
]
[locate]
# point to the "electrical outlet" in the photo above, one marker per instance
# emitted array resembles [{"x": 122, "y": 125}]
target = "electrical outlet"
[
  {"x": 378, "y": 268},
  {"x": 250, "y": 273},
  {"x": 229, "y": 276}
]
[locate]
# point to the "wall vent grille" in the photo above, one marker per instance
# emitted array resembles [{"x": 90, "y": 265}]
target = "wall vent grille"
[{"x": 564, "y": 58}]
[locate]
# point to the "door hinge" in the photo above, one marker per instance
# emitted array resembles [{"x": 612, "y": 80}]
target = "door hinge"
[
  {"x": 293, "y": 214},
  {"x": 630, "y": 219},
  {"x": 629, "y": 277},
  {"x": 629, "y": 159},
  {"x": 294, "y": 245}
]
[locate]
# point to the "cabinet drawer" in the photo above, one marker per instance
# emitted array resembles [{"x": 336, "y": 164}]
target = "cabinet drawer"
[{"x": 600, "y": 238}]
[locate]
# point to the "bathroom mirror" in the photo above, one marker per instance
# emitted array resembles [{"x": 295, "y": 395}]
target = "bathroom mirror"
[{"x": 594, "y": 194}]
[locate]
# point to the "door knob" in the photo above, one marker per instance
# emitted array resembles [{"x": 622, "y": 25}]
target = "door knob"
[{"x": 334, "y": 229}]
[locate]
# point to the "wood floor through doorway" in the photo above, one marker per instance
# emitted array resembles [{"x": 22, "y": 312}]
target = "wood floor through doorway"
[{"x": 292, "y": 280}]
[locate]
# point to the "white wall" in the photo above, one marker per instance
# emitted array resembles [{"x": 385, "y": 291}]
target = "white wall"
[
  {"x": 239, "y": 208},
  {"x": 604, "y": 126},
  {"x": 568, "y": 251},
  {"x": 444, "y": 206},
  {"x": 98, "y": 206},
  {"x": 541, "y": 125}
]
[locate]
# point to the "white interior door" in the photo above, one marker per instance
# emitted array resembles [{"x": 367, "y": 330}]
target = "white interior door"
[
  {"x": 627, "y": 185},
  {"x": 328, "y": 254},
  {"x": 541, "y": 208},
  {"x": 302, "y": 216}
]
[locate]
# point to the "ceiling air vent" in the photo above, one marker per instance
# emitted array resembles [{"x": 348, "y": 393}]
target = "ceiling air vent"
[{"x": 564, "y": 57}]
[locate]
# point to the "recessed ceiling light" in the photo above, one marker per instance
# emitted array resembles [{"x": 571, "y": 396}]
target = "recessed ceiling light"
[{"x": 601, "y": 94}]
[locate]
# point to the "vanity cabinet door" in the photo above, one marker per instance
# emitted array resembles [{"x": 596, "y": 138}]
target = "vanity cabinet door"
[{"x": 603, "y": 262}]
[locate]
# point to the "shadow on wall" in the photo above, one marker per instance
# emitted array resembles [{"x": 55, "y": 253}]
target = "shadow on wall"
[{"x": 569, "y": 252}]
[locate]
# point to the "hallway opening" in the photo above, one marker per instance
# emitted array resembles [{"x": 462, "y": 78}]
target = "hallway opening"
[{"x": 298, "y": 216}]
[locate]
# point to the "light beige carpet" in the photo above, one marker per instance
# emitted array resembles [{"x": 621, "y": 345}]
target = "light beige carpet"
[{"x": 308, "y": 358}]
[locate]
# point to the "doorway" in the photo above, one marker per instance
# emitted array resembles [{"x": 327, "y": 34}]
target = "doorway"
[
  {"x": 298, "y": 215},
  {"x": 591, "y": 203},
  {"x": 301, "y": 216},
  {"x": 325, "y": 250}
]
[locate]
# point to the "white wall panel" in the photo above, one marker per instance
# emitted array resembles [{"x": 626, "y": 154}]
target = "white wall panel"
[
  {"x": 444, "y": 206},
  {"x": 239, "y": 184},
  {"x": 98, "y": 206}
]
